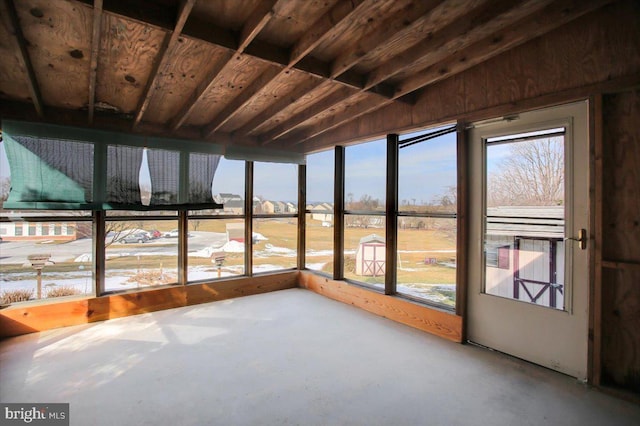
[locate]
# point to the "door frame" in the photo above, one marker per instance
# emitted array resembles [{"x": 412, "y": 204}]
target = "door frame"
[{"x": 571, "y": 355}]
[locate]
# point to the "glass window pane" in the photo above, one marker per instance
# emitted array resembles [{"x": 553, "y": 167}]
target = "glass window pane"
[
  {"x": 319, "y": 222},
  {"x": 319, "y": 255},
  {"x": 428, "y": 176},
  {"x": 426, "y": 263},
  {"x": 365, "y": 176},
  {"x": 275, "y": 187},
  {"x": 38, "y": 264},
  {"x": 140, "y": 253},
  {"x": 524, "y": 247},
  {"x": 216, "y": 248},
  {"x": 364, "y": 249},
  {"x": 275, "y": 244},
  {"x": 228, "y": 188}
]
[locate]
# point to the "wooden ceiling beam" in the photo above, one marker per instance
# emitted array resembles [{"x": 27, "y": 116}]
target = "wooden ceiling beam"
[
  {"x": 95, "y": 49},
  {"x": 556, "y": 14},
  {"x": 300, "y": 91},
  {"x": 459, "y": 22},
  {"x": 13, "y": 25},
  {"x": 473, "y": 27},
  {"x": 258, "y": 19},
  {"x": 334, "y": 121},
  {"x": 324, "y": 28},
  {"x": 151, "y": 13},
  {"x": 322, "y": 105},
  {"x": 240, "y": 101},
  {"x": 164, "y": 53},
  {"x": 414, "y": 20},
  {"x": 203, "y": 87}
]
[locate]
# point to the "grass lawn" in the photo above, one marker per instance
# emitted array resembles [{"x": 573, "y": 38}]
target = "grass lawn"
[{"x": 417, "y": 248}]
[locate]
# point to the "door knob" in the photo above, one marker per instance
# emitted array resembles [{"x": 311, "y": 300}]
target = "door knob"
[{"x": 582, "y": 239}]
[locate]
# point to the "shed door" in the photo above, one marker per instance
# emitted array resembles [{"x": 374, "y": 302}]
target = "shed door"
[{"x": 529, "y": 197}]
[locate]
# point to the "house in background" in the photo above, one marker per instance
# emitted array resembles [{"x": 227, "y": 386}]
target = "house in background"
[
  {"x": 322, "y": 212},
  {"x": 39, "y": 231}
]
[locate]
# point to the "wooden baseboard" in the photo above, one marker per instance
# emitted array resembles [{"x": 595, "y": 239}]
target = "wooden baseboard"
[
  {"x": 23, "y": 319},
  {"x": 443, "y": 324}
]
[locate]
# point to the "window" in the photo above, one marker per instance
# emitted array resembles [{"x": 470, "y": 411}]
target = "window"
[
  {"x": 216, "y": 237},
  {"x": 364, "y": 233},
  {"x": 320, "y": 212},
  {"x": 427, "y": 206},
  {"x": 275, "y": 208},
  {"x": 141, "y": 250},
  {"x": 524, "y": 225},
  {"x": 40, "y": 265}
]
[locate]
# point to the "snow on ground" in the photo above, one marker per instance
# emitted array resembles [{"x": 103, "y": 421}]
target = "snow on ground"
[
  {"x": 312, "y": 253},
  {"x": 315, "y": 266},
  {"x": 259, "y": 237},
  {"x": 229, "y": 247}
]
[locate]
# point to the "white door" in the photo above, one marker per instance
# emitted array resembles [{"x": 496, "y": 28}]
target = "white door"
[{"x": 528, "y": 274}]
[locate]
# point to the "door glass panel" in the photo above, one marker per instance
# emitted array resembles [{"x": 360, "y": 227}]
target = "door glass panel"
[{"x": 524, "y": 229}]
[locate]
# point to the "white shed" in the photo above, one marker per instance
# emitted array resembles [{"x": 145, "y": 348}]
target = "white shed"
[
  {"x": 370, "y": 257},
  {"x": 525, "y": 254}
]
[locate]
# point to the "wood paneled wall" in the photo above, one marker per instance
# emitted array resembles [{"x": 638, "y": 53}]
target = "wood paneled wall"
[
  {"x": 19, "y": 320},
  {"x": 620, "y": 230},
  {"x": 443, "y": 324},
  {"x": 596, "y": 53}
]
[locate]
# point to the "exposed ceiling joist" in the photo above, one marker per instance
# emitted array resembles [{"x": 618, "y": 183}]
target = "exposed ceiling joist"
[
  {"x": 13, "y": 24},
  {"x": 163, "y": 55},
  {"x": 323, "y": 28},
  {"x": 239, "y": 101},
  {"x": 553, "y": 16},
  {"x": 323, "y": 104},
  {"x": 95, "y": 49},
  {"x": 278, "y": 106},
  {"x": 547, "y": 19},
  {"x": 199, "y": 29},
  {"x": 394, "y": 30},
  {"x": 255, "y": 23}
]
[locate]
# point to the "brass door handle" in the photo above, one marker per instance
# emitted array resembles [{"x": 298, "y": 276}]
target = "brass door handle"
[{"x": 582, "y": 239}]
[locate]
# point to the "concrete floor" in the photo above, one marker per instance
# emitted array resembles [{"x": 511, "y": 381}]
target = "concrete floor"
[{"x": 287, "y": 358}]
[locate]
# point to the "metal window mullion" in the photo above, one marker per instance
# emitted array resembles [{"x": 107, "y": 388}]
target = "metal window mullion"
[
  {"x": 302, "y": 217},
  {"x": 99, "y": 251},
  {"x": 462, "y": 222},
  {"x": 248, "y": 218},
  {"x": 183, "y": 249},
  {"x": 391, "y": 211},
  {"x": 338, "y": 203}
]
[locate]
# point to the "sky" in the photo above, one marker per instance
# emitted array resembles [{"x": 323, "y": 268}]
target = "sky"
[{"x": 426, "y": 170}]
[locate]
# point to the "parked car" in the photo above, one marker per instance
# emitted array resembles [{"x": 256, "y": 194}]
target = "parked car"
[
  {"x": 154, "y": 233},
  {"x": 171, "y": 234},
  {"x": 138, "y": 237}
]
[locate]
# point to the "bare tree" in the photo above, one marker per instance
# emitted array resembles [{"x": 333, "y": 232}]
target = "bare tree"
[{"x": 532, "y": 174}]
